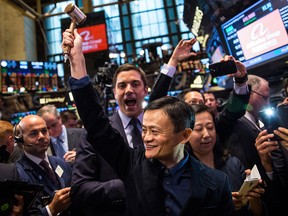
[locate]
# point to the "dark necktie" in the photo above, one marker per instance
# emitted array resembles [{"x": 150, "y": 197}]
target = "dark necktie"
[
  {"x": 49, "y": 171},
  {"x": 58, "y": 148},
  {"x": 136, "y": 135}
]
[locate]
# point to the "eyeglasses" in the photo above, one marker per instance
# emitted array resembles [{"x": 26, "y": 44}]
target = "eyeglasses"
[{"x": 263, "y": 96}]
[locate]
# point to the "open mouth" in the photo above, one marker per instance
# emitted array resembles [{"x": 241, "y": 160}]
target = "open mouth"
[{"x": 130, "y": 102}]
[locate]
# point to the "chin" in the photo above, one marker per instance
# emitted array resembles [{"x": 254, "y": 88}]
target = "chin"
[{"x": 149, "y": 155}]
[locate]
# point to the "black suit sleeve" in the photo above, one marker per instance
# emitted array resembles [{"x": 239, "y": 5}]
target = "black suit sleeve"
[
  {"x": 93, "y": 179},
  {"x": 160, "y": 87}
]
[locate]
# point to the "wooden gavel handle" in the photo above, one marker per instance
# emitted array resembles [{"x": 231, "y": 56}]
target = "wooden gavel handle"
[{"x": 66, "y": 48}]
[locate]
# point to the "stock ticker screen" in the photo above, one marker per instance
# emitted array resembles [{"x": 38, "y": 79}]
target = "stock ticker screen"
[{"x": 25, "y": 76}]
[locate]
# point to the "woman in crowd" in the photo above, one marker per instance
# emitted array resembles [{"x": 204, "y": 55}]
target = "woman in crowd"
[{"x": 204, "y": 146}]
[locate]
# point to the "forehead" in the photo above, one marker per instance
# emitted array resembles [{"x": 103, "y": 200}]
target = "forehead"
[
  {"x": 203, "y": 116},
  {"x": 128, "y": 75},
  {"x": 151, "y": 117},
  {"x": 209, "y": 95},
  {"x": 193, "y": 94},
  {"x": 49, "y": 116},
  {"x": 34, "y": 125}
]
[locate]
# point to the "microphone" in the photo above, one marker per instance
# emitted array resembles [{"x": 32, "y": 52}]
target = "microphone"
[{"x": 78, "y": 17}]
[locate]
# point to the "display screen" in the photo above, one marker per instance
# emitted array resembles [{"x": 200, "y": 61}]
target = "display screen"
[
  {"x": 94, "y": 38},
  {"x": 214, "y": 47},
  {"x": 24, "y": 76},
  {"x": 258, "y": 35}
]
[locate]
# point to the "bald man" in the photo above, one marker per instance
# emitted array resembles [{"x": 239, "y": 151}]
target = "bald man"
[{"x": 36, "y": 166}]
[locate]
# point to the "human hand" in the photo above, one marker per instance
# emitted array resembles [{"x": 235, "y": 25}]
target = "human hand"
[
  {"x": 61, "y": 201},
  {"x": 282, "y": 133},
  {"x": 237, "y": 200},
  {"x": 76, "y": 56},
  {"x": 17, "y": 209},
  {"x": 241, "y": 69},
  {"x": 264, "y": 147},
  {"x": 182, "y": 51},
  {"x": 70, "y": 156}
]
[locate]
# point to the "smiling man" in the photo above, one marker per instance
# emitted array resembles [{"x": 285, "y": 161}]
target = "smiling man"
[{"x": 161, "y": 179}]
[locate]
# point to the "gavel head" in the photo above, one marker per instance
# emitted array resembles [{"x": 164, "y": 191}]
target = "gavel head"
[{"x": 75, "y": 13}]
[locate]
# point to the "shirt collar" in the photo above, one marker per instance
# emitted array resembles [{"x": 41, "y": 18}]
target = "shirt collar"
[
  {"x": 125, "y": 119},
  {"x": 179, "y": 165},
  {"x": 35, "y": 159}
]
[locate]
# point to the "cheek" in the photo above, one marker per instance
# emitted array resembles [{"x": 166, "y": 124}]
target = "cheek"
[{"x": 195, "y": 138}]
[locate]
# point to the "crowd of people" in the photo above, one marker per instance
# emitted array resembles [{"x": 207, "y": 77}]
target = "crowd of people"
[{"x": 177, "y": 156}]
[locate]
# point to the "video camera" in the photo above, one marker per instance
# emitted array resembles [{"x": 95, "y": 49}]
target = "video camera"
[{"x": 274, "y": 118}]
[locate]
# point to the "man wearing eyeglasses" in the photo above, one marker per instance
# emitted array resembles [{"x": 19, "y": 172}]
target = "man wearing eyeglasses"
[{"x": 242, "y": 141}]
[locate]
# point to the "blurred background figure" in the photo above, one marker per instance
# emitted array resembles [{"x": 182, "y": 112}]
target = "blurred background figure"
[
  {"x": 63, "y": 140},
  {"x": 5, "y": 114},
  {"x": 69, "y": 118},
  {"x": 9, "y": 151},
  {"x": 211, "y": 101}
]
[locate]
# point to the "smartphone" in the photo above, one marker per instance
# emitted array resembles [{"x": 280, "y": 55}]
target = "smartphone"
[
  {"x": 247, "y": 186},
  {"x": 273, "y": 118},
  {"x": 222, "y": 68}
]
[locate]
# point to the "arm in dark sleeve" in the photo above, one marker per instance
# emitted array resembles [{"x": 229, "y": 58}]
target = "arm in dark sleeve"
[
  {"x": 235, "y": 109},
  {"x": 100, "y": 134},
  {"x": 93, "y": 179},
  {"x": 162, "y": 83}
]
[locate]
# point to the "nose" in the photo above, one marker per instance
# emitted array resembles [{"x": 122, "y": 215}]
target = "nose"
[
  {"x": 147, "y": 137},
  {"x": 128, "y": 89},
  {"x": 206, "y": 133}
]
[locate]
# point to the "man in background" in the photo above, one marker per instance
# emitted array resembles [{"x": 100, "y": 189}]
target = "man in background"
[
  {"x": 241, "y": 141},
  {"x": 35, "y": 166},
  {"x": 9, "y": 152},
  {"x": 64, "y": 141},
  {"x": 211, "y": 101},
  {"x": 69, "y": 118}
]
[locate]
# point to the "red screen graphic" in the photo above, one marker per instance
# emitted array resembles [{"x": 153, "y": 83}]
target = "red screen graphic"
[
  {"x": 263, "y": 35},
  {"x": 94, "y": 38}
]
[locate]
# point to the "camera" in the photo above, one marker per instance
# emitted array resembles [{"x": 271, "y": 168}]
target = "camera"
[
  {"x": 274, "y": 118},
  {"x": 222, "y": 68}
]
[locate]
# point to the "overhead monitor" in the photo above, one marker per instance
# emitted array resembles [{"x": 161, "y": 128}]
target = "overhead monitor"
[
  {"x": 24, "y": 76},
  {"x": 258, "y": 35},
  {"x": 214, "y": 48}
]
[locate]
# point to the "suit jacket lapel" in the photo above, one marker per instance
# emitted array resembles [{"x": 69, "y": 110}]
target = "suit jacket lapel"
[
  {"x": 116, "y": 123},
  {"x": 70, "y": 139},
  {"x": 38, "y": 173},
  {"x": 250, "y": 124},
  {"x": 54, "y": 166}
]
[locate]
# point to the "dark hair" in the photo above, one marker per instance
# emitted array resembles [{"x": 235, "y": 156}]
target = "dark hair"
[
  {"x": 128, "y": 67},
  {"x": 221, "y": 154},
  {"x": 209, "y": 92},
  {"x": 182, "y": 94},
  {"x": 68, "y": 114},
  {"x": 179, "y": 112}
]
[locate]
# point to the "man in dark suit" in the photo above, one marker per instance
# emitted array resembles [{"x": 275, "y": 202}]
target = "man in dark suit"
[
  {"x": 147, "y": 173},
  {"x": 37, "y": 167},
  {"x": 64, "y": 141},
  {"x": 241, "y": 140},
  {"x": 129, "y": 87}
]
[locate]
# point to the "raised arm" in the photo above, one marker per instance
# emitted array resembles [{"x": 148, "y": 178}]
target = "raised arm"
[
  {"x": 181, "y": 52},
  {"x": 77, "y": 60}
]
